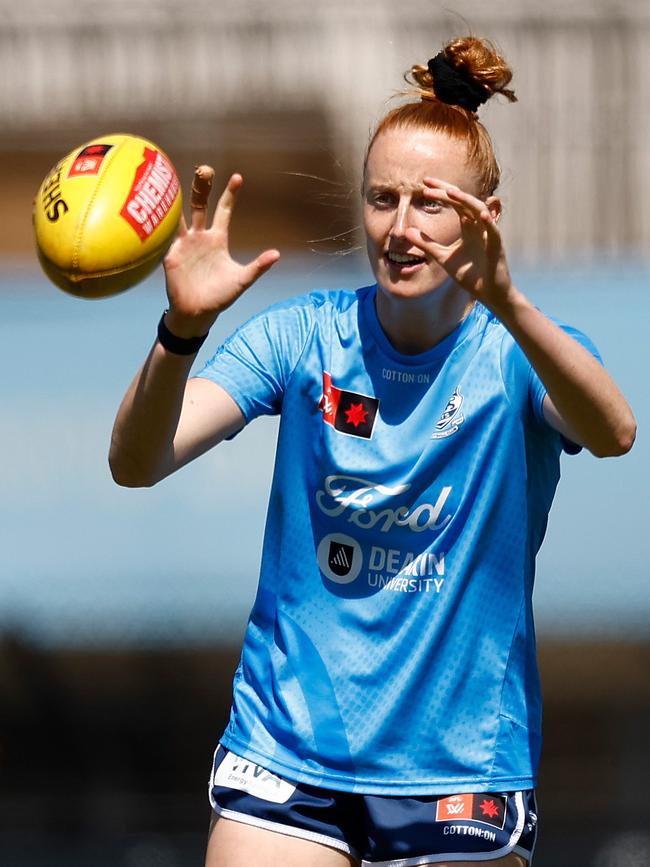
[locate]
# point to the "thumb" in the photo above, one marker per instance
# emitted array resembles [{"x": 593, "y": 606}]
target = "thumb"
[
  {"x": 254, "y": 270},
  {"x": 440, "y": 252}
]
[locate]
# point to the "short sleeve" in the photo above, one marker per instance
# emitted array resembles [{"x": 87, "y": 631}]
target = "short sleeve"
[
  {"x": 536, "y": 388},
  {"x": 518, "y": 372},
  {"x": 254, "y": 364}
]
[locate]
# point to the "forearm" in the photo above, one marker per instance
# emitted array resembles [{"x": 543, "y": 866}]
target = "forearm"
[
  {"x": 143, "y": 435},
  {"x": 583, "y": 393}
]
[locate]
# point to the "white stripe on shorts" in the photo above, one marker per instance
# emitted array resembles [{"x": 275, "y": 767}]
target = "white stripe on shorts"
[{"x": 289, "y": 830}]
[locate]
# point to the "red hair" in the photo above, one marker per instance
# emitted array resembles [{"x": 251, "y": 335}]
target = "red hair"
[{"x": 478, "y": 61}]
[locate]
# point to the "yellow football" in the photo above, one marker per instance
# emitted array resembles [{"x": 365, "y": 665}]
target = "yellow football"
[{"x": 105, "y": 215}]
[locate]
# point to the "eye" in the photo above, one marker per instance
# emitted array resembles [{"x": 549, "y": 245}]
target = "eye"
[
  {"x": 429, "y": 206},
  {"x": 381, "y": 199}
]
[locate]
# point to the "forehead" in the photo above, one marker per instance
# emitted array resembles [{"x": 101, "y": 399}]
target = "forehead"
[{"x": 401, "y": 158}]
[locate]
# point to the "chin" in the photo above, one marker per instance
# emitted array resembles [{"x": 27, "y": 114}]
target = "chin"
[{"x": 412, "y": 286}]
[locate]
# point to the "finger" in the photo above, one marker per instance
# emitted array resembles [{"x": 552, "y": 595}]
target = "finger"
[
  {"x": 493, "y": 235},
  {"x": 454, "y": 192},
  {"x": 471, "y": 213},
  {"x": 226, "y": 203},
  {"x": 254, "y": 270},
  {"x": 464, "y": 210},
  {"x": 469, "y": 206},
  {"x": 439, "y": 183},
  {"x": 201, "y": 186},
  {"x": 466, "y": 205},
  {"x": 181, "y": 231},
  {"x": 453, "y": 189},
  {"x": 440, "y": 252}
]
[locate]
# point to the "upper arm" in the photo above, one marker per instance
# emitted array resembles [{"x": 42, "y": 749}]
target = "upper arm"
[
  {"x": 208, "y": 416},
  {"x": 543, "y": 406},
  {"x": 245, "y": 378},
  {"x": 527, "y": 391}
]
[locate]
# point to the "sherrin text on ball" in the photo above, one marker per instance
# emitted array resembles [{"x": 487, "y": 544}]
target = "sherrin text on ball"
[{"x": 106, "y": 214}]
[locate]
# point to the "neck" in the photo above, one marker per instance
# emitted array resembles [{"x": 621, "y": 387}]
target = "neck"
[{"x": 415, "y": 325}]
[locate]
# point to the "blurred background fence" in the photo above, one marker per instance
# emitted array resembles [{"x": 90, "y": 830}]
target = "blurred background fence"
[
  {"x": 121, "y": 611},
  {"x": 307, "y": 76}
]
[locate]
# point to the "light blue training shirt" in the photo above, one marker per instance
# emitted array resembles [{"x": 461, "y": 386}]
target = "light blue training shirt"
[{"x": 391, "y": 646}]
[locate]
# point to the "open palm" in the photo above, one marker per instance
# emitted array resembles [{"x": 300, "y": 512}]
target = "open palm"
[{"x": 202, "y": 277}]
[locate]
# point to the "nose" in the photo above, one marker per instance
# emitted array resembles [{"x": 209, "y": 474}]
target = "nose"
[{"x": 401, "y": 220}]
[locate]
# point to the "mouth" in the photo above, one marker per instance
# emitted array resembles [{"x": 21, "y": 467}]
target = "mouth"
[{"x": 405, "y": 263}]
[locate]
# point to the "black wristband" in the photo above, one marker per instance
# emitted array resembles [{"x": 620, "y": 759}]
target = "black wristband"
[{"x": 178, "y": 345}]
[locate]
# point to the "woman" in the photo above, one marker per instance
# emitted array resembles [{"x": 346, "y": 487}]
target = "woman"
[{"x": 386, "y": 709}]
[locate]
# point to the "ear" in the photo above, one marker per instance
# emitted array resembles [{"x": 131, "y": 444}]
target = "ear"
[{"x": 494, "y": 207}]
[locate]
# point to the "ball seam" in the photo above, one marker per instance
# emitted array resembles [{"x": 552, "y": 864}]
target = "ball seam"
[{"x": 77, "y": 244}]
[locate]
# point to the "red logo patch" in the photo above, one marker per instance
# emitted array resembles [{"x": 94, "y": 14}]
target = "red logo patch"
[
  {"x": 154, "y": 189},
  {"x": 89, "y": 160},
  {"x": 488, "y": 809},
  {"x": 454, "y": 807},
  {"x": 347, "y": 411}
]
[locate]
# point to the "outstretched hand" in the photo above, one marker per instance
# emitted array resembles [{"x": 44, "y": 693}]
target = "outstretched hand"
[
  {"x": 202, "y": 277},
  {"x": 477, "y": 259}
]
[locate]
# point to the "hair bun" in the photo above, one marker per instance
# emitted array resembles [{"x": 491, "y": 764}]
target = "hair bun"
[
  {"x": 454, "y": 88},
  {"x": 466, "y": 73}
]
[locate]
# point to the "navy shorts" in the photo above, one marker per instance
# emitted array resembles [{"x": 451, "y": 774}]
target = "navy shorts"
[{"x": 376, "y": 829}]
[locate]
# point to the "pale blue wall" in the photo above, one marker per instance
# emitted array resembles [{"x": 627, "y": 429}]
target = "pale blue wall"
[{"x": 82, "y": 560}]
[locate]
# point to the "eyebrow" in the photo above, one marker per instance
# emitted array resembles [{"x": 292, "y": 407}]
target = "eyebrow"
[{"x": 388, "y": 188}]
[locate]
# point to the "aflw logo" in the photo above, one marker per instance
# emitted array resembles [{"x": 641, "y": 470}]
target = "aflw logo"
[{"x": 488, "y": 809}]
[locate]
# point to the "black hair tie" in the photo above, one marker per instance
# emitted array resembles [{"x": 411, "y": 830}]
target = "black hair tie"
[{"x": 453, "y": 88}]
